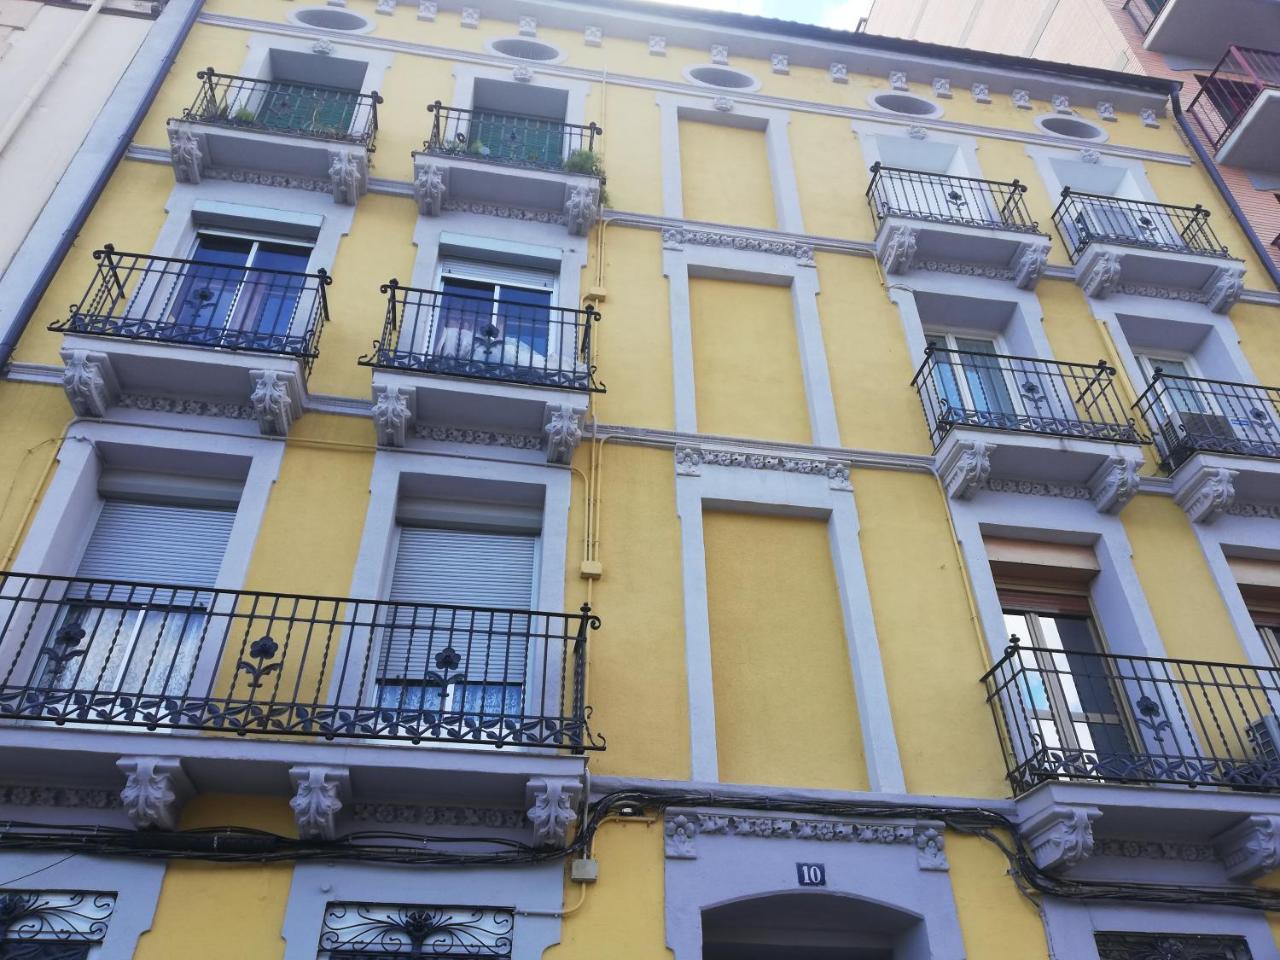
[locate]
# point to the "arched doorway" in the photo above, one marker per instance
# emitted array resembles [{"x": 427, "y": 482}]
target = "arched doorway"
[{"x": 810, "y": 926}]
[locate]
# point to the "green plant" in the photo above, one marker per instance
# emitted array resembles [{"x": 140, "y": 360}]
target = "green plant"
[
  {"x": 245, "y": 115},
  {"x": 584, "y": 161}
]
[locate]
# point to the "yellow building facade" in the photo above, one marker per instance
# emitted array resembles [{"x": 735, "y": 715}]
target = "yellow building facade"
[{"x": 580, "y": 479}]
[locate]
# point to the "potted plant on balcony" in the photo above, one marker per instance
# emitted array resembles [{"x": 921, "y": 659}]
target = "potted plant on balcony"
[{"x": 587, "y": 163}]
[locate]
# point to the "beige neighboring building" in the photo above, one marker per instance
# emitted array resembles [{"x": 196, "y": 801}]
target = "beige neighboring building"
[
  {"x": 59, "y": 63},
  {"x": 1062, "y": 31}
]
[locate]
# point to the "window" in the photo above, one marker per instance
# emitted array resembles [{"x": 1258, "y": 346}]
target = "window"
[
  {"x": 53, "y": 925},
  {"x": 1185, "y": 407},
  {"x": 495, "y": 313},
  {"x": 971, "y": 382},
  {"x": 353, "y": 931},
  {"x": 455, "y": 659},
  {"x": 1259, "y": 583},
  {"x": 133, "y": 620},
  {"x": 251, "y": 285}
]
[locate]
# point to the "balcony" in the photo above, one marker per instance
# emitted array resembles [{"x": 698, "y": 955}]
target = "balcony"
[
  {"x": 1147, "y": 249},
  {"x": 123, "y": 655},
  {"x": 484, "y": 161},
  {"x": 1018, "y": 424},
  {"x": 1078, "y": 716},
  {"x": 276, "y": 133},
  {"x": 1193, "y": 33},
  {"x": 439, "y": 349},
  {"x": 1238, "y": 109},
  {"x": 193, "y": 336},
  {"x": 931, "y": 221},
  {"x": 1221, "y": 442}
]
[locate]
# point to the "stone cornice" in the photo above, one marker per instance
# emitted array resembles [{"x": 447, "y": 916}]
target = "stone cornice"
[{"x": 703, "y": 93}]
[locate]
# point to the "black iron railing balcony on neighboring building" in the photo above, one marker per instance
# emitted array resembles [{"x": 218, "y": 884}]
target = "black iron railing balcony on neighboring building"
[
  {"x": 1085, "y": 218},
  {"x": 180, "y": 657},
  {"x": 202, "y": 303},
  {"x": 513, "y": 139},
  {"x": 1144, "y": 12},
  {"x": 1225, "y": 96},
  {"x": 277, "y": 106},
  {"x": 1074, "y": 715},
  {"x": 942, "y": 198},
  {"x": 1188, "y": 415},
  {"x": 1021, "y": 394},
  {"x": 514, "y": 335}
]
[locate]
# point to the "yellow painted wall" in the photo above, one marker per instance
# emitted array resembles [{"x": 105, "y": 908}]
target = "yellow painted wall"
[
  {"x": 780, "y": 659},
  {"x": 996, "y": 921},
  {"x": 871, "y": 368},
  {"x": 725, "y": 175},
  {"x": 209, "y": 911},
  {"x": 747, "y": 361},
  {"x": 633, "y": 337},
  {"x": 34, "y": 419},
  {"x": 932, "y": 653},
  {"x": 1190, "y": 614},
  {"x": 636, "y": 660}
]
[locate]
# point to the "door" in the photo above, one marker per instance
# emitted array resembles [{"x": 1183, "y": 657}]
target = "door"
[
  {"x": 972, "y": 385},
  {"x": 464, "y": 663},
  {"x": 1070, "y": 690},
  {"x": 301, "y": 108},
  {"x": 142, "y": 635},
  {"x": 498, "y": 320},
  {"x": 244, "y": 284}
]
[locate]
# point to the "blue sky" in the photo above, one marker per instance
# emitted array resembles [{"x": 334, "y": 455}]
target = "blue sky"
[{"x": 840, "y": 14}]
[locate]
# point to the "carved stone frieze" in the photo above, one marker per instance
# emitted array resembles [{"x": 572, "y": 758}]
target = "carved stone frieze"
[
  {"x": 981, "y": 93},
  {"x": 1205, "y": 493},
  {"x": 898, "y": 80},
  {"x": 89, "y": 381},
  {"x": 674, "y": 238},
  {"x": 1250, "y": 848},
  {"x": 487, "y": 438},
  {"x": 1153, "y": 850},
  {"x": 720, "y": 53},
  {"x": 26, "y": 796},
  {"x": 552, "y": 808},
  {"x": 683, "y": 829},
  {"x": 319, "y": 794},
  {"x": 438, "y": 816},
  {"x": 964, "y": 467},
  {"x": 276, "y": 400},
  {"x": 689, "y": 461},
  {"x": 393, "y": 414},
  {"x": 1061, "y": 103},
  {"x": 190, "y": 407},
  {"x": 431, "y": 188},
  {"x": 1107, "y": 111},
  {"x": 1039, "y": 488},
  {"x": 563, "y": 430},
  {"x": 1022, "y": 99},
  {"x": 989, "y": 270},
  {"x": 487, "y": 209},
  {"x": 780, "y": 63},
  {"x": 1029, "y": 267},
  {"x": 942, "y": 88},
  {"x": 1114, "y": 484},
  {"x": 154, "y": 791},
  {"x": 839, "y": 72},
  {"x": 1061, "y": 835},
  {"x": 1257, "y": 511},
  {"x": 267, "y": 179}
]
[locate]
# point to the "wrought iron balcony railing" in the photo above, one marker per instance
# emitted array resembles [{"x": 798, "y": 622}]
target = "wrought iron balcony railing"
[
  {"x": 1225, "y": 96},
  {"x": 513, "y": 139},
  {"x": 942, "y": 198},
  {"x": 1144, "y": 12},
  {"x": 1021, "y": 394},
  {"x": 276, "y": 106},
  {"x": 145, "y": 655},
  {"x": 1188, "y": 415},
  {"x": 201, "y": 303},
  {"x": 1085, "y": 218},
  {"x": 513, "y": 337},
  {"x": 1074, "y": 715}
]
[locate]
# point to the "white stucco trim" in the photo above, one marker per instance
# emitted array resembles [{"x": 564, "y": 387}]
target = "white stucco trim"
[
  {"x": 869, "y": 133},
  {"x": 63, "y": 523},
  {"x": 1244, "y": 536},
  {"x": 1043, "y": 155},
  {"x": 256, "y": 61},
  {"x": 811, "y": 495},
  {"x": 465, "y": 76}
]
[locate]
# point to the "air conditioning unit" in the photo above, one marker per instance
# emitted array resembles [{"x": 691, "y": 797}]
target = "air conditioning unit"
[{"x": 1200, "y": 426}]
